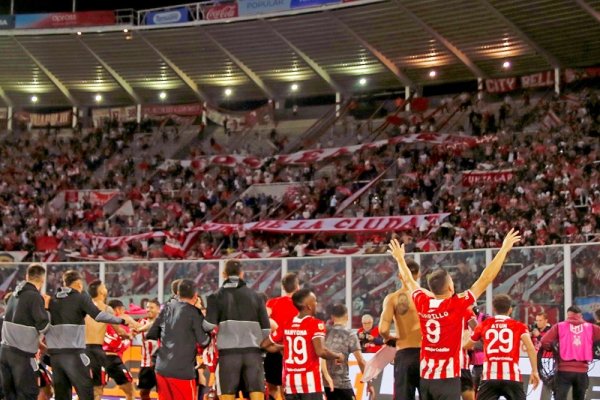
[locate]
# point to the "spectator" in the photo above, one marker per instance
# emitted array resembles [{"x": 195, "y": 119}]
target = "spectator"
[
  {"x": 540, "y": 328},
  {"x": 368, "y": 335}
]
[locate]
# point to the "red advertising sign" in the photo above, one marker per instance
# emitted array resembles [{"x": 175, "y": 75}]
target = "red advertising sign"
[
  {"x": 183, "y": 110},
  {"x": 220, "y": 11},
  {"x": 65, "y": 19}
]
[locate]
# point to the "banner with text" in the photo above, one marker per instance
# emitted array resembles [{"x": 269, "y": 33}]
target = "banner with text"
[
  {"x": 121, "y": 114},
  {"x": 470, "y": 178},
  {"x": 318, "y": 155},
  {"x": 253, "y": 7},
  {"x": 220, "y": 11},
  {"x": 503, "y": 85},
  {"x": 171, "y": 16},
  {"x": 64, "y": 19},
  {"x": 42, "y": 120},
  {"x": 183, "y": 110},
  {"x": 311, "y": 3}
]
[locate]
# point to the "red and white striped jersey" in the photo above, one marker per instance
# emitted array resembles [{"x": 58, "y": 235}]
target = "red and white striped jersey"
[
  {"x": 114, "y": 343},
  {"x": 301, "y": 365},
  {"x": 442, "y": 324},
  {"x": 501, "y": 337},
  {"x": 149, "y": 347}
]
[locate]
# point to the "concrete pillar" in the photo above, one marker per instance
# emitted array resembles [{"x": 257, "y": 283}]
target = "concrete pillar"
[
  {"x": 338, "y": 104},
  {"x": 479, "y": 88},
  {"x": 406, "y": 96},
  {"x": 557, "y": 80},
  {"x": 9, "y": 119},
  {"x": 75, "y": 117},
  {"x": 138, "y": 114}
]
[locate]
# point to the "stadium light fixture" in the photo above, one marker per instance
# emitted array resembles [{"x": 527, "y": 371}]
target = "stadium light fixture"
[
  {"x": 125, "y": 30},
  {"x": 506, "y": 64},
  {"x": 98, "y": 98},
  {"x": 362, "y": 81},
  {"x": 79, "y": 33},
  {"x": 34, "y": 99},
  {"x": 294, "y": 87},
  {"x": 228, "y": 92},
  {"x": 432, "y": 73},
  {"x": 162, "y": 95}
]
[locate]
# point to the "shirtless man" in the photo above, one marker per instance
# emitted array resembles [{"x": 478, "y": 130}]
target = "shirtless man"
[
  {"x": 94, "y": 337},
  {"x": 399, "y": 308}
]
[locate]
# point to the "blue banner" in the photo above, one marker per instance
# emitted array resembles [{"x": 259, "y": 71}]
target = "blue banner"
[
  {"x": 588, "y": 306},
  {"x": 172, "y": 16},
  {"x": 312, "y": 3},
  {"x": 253, "y": 7},
  {"x": 7, "y": 21}
]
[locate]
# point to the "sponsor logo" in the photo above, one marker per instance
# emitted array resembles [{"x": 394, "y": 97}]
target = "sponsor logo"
[
  {"x": 223, "y": 11},
  {"x": 60, "y": 18},
  {"x": 169, "y": 17},
  {"x": 7, "y": 21}
]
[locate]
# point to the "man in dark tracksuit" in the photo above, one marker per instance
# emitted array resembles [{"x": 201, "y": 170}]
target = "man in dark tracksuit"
[
  {"x": 243, "y": 323},
  {"x": 24, "y": 321},
  {"x": 179, "y": 327},
  {"x": 66, "y": 338}
]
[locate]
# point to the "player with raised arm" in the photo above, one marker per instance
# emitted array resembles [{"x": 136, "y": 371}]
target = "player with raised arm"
[
  {"x": 502, "y": 336},
  {"x": 303, "y": 345},
  {"x": 442, "y": 315}
]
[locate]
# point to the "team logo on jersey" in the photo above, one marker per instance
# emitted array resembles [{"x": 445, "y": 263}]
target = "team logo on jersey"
[
  {"x": 321, "y": 325},
  {"x": 576, "y": 329}
]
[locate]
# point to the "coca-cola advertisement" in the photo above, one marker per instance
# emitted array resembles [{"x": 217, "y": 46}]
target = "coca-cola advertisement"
[{"x": 220, "y": 11}]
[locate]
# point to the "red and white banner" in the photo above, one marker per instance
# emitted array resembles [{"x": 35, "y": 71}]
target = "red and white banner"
[
  {"x": 178, "y": 244},
  {"x": 237, "y": 122},
  {"x": 184, "y": 110},
  {"x": 575, "y": 74},
  {"x": 220, "y": 11},
  {"x": 537, "y": 80},
  {"x": 470, "y": 178},
  {"x": 64, "y": 19},
  {"x": 42, "y": 120},
  {"x": 95, "y": 197},
  {"x": 317, "y": 155},
  {"x": 121, "y": 114}
]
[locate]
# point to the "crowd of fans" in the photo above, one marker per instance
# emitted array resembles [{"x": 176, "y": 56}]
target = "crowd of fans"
[{"x": 553, "y": 196}]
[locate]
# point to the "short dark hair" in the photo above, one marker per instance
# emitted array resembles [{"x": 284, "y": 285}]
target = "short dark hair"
[
  {"x": 339, "y": 310},
  {"x": 71, "y": 276},
  {"x": 36, "y": 272},
  {"x": 93, "y": 288},
  {"x": 114, "y": 303},
  {"x": 175, "y": 287},
  {"x": 233, "y": 268},
  {"x": 542, "y": 314},
  {"x": 154, "y": 301},
  {"x": 502, "y": 303},
  {"x": 186, "y": 289},
  {"x": 437, "y": 280},
  {"x": 574, "y": 309},
  {"x": 290, "y": 282},
  {"x": 413, "y": 266},
  {"x": 299, "y": 297}
]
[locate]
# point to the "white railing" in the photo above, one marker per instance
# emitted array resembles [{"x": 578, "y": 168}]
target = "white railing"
[{"x": 548, "y": 278}]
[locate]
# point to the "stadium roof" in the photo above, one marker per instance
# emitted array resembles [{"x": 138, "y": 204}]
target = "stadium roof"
[{"x": 392, "y": 43}]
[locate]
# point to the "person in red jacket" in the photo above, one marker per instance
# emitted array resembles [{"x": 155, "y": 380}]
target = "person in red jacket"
[{"x": 370, "y": 340}]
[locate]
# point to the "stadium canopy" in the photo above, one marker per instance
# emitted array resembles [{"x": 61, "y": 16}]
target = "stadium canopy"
[{"x": 391, "y": 44}]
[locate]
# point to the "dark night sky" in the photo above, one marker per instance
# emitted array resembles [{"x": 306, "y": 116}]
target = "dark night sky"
[{"x": 33, "y": 6}]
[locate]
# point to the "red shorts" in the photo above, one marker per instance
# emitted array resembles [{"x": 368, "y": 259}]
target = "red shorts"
[{"x": 175, "y": 389}]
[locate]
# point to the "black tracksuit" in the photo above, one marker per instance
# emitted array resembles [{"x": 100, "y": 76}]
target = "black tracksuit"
[
  {"x": 179, "y": 327},
  {"x": 24, "y": 320},
  {"x": 66, "y": 342}
]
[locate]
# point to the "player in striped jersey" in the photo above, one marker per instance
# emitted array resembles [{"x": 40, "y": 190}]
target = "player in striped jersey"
[
  {"x": 502, "y": 336},
  {"x": 146, "y": 377},
  {"x": 303, "y": 346},
  {"x": 442, "y": 315}
]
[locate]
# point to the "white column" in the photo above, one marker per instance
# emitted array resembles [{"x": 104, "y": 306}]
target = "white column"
[
  {"x": 12, "y": 7},
  {"x": 102, "y": 272},
  {"x": 568, "y": 277},
  {"x": 138, "y": 114},
  {"x": 406, "y": 96},
  {"x": 338, "y": 104},
  {"x": 349, "y": 289},
  {"x": 417, "y": 258},
  {"x": 557, "y": 80},
  {"x": 489, "y": 291},
  {"x": 45, "y": 285},
  {"x": 161, "y": 281},
  {"x": 221, "y": 270},
  {"x": 284, "y": 270},
  {"x": 75, "y": 117},
  {"x": 9, "y": 121},
  {"x": 74, "y": 5},
  {"x": 480, "y": 88}
]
